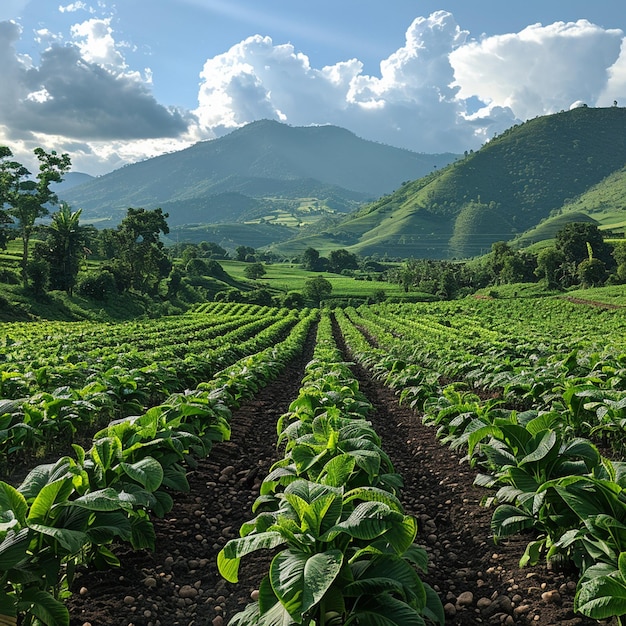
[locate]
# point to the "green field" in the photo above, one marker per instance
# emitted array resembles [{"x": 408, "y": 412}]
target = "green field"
[{"x": 290, "y": 277}]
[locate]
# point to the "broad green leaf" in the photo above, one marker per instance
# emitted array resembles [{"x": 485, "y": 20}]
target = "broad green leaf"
[
  {"x": 373, "y": 494},
  {"x": 44, "y": 606},
  {"x": 45, "y": 500},
  {"x": 337, "y": 471},
  {"x": 230, "y": 555},
  {"x": 71, "y": 540},
  {"x": 300, "y": 580},
  {"x": 322, "y": 514},
  {"x": 108, "y": 526},
  {"x": 601, "y": 597},
  {"x": 386, "y": 573},
  {"x": 509, "y": 520},
  {"x": 142, "y": 533},
  {"x": 13, "y": 548},
  {"x": 100, "y": 500},
  {"x": 373, "y": 519},
  {"x": 148, "y": 472},
  {"x": 385, "y": 610},
  {"x": 320, "y": 571},
  {"x": 106, "y": 452},
  {"x": 12, "y": 500},
  {"x": 544, "y": 447}
]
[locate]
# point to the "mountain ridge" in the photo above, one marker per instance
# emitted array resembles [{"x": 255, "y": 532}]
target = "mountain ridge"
[{"x": 324, "y": 159}]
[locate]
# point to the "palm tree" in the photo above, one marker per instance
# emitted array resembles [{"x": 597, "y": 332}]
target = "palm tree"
[{"x": 65, "y": 247}]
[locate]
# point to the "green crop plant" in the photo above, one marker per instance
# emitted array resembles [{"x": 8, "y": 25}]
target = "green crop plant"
[{"x": 343, "y": 561}]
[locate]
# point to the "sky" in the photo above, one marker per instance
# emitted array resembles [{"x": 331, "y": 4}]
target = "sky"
[{"x": 113, "y": 83}]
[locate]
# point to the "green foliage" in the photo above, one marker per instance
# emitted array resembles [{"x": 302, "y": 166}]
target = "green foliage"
[
  {"x": 254, "y": 271},
  {"x": 316, "y": 289}
]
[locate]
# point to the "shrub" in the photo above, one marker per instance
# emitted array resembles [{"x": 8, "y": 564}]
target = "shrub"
[{"x": 97, "y": 285}]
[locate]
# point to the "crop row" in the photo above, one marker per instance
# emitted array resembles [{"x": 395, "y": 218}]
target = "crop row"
[
  {"x": 545, "y": 477},
  {"x": 69, "y": 512},
  {"x": 47, "y": 406},
  {"x": 344, "y": 551}
]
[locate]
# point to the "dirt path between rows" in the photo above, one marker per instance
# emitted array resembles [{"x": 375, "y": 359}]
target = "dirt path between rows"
[{"x": 179, "y": 584}]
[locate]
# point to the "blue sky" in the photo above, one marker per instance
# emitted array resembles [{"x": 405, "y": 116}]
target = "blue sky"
[{"x": 113, "y": 83}]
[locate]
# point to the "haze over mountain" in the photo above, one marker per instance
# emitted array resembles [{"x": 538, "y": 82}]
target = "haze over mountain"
[
  {"x": 532, "y": 172},
  {"x": 228, "y": 178}
]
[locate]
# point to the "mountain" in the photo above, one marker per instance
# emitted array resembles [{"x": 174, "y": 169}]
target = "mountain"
[
  {"x": 71, "y": 179},
  {"x": 263, "y": 160},
  {"x": 566, "y": 163}
]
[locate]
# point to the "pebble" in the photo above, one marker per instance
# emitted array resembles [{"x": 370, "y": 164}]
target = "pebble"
[
  {"x": 483, "y": 603},
  {"x": 129, "y": 600},
  {"x": 465, "y": 599},
  {"x": 553, "y": 597},
  {"x": 187, "y": 591},
  {"x": 449, "y": 609}
]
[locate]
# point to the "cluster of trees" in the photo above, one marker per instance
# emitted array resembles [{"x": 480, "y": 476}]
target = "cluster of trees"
[
  {"x": 133, "y": 255},
  {"x": 579, "y": 256},
  {"x": 337, "y": 261},
  {"x": 24, "y": 198}
]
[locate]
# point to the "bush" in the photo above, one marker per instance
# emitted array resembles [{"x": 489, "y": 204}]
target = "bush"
[
  {"x": 9, "y": 277},
  {"x": 97, "y": 285}
]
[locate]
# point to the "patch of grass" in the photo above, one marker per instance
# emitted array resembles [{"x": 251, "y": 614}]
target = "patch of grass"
[
  {"x": 613, "y": 294},
  {"x": 290, "y": 277}
]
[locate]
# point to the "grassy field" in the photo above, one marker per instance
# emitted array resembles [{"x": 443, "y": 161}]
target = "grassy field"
[
  {"x": 290, "y": 277},
  {"x": 613, "y": 294}
]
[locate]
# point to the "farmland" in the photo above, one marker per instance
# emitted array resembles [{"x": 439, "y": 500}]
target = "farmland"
[{"x": 498, "y": 416}]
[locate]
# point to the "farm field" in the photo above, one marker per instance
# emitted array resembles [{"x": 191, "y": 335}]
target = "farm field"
[
  {"x": 443, "y": 385},
  {"x": 289, "y": 277}
]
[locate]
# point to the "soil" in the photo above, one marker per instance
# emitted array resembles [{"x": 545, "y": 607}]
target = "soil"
[{"x": 178, "y": 583}]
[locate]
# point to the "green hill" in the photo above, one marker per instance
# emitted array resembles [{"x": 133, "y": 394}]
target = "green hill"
[{"x": 570, "y": 161}]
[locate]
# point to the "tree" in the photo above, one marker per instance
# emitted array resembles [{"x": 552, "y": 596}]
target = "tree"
[
  {"x": 64, "y": 248},
  {"x": 619, "y": 254},
  {"x": 576, "y": 238},
  {"x": 243, "y": 253},
  {"x": 10, "y": 173},
  {"x": 293, "y": 300},
  {"x": 591, "y": 272},
  {"x": 140, "y": 259},
  {"x": 310, "y": 259},
  {"x": 316, "y": 289},
  {"x": 254, "y": 271},
  {"x": 339, "y": 260},
  {"x": 27, "y": 198},
  {"x": 549, "y": 264}
]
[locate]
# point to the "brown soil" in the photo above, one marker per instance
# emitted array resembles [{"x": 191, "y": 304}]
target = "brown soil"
[{"x": 178, "y": 584}]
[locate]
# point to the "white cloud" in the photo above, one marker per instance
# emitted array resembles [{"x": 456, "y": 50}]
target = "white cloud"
[
  {"x": 615, "y": 90},
  {"x": 95, "y": 41},
  {"x": 411, "y": 104},
  {"x": 76, "y": 6},
  {"x": 542, "y": 69}
]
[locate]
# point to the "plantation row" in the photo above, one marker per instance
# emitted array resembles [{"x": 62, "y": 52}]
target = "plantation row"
[
  {"x": 67, "y": 513},
  {"x": 56, "y": 385},
  {"x": 331, "y": 504},
  {"x": 527, "y": 418}
]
